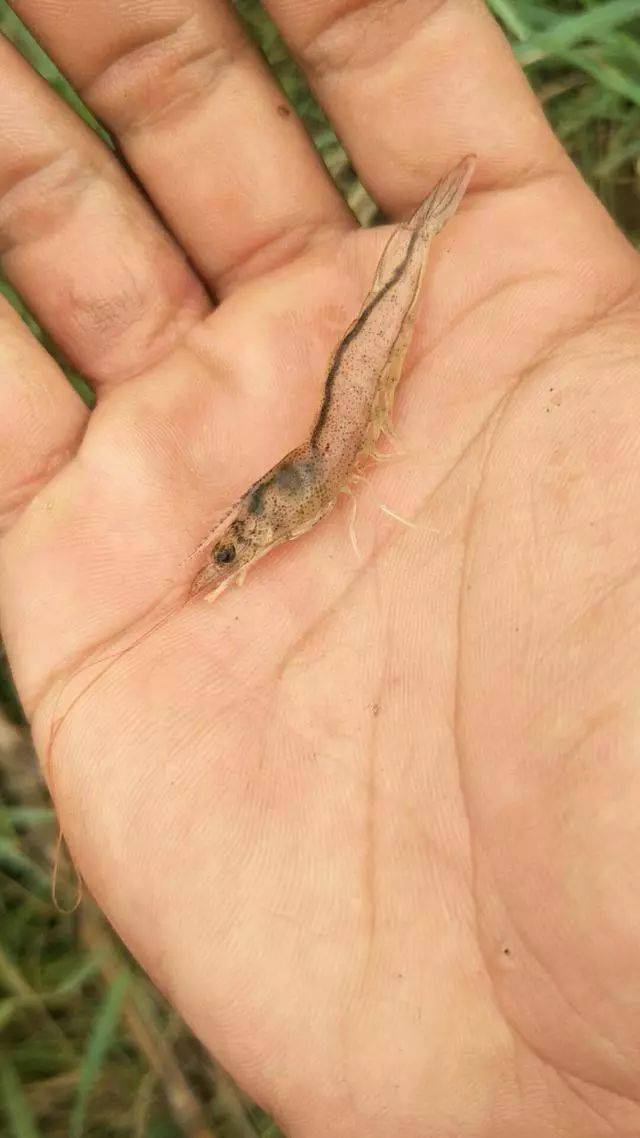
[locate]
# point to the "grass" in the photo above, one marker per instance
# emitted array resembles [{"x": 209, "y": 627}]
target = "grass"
[
  {"x": 583, "y": 58},
  {"x": 87, "y": 1047}
]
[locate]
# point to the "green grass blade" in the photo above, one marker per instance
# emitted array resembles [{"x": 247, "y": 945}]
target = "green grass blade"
[
  {"x": 78, "y": 977},
  {"x": 29, "y": 815},
  {"x": 511, "y": 18},
  {"x": 11, "y": 976},
  {"x": 100, "y": 1041},
  {"x": 16, "y": 1108},
  {"x": 617, "y": 158},
  {"x": 606, "y": 74},
  {"x": 14, "y": 861},
  {"x": 591, "y": 25},
  {"x": 624, "y": 45},
  {"x": 8, "y": 1008}
]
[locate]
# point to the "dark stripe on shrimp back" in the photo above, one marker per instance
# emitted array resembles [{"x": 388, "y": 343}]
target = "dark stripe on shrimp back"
[{"x": 353, "y": 331}]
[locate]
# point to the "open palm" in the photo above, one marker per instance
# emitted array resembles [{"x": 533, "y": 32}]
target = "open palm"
[{"x": 372, "y": 821}]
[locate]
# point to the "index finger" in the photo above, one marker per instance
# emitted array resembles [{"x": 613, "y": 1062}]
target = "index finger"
[{"x": 412, "y": 86}]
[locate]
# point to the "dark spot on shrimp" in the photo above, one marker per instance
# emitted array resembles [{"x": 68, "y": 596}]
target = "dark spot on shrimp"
[
  {"x": 293, "y": 476},
  {"x": 255, "y": 505},
  {"x": 283, "y": 111},
  {"x": 289, "y": 477},
  {"x": 224, "y": 554}
]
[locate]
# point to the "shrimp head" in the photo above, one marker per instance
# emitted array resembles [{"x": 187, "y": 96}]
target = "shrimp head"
[{"x": 282, "y": 504}]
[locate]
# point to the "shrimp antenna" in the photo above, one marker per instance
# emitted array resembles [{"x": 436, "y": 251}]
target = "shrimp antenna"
[
  {"x": 381, "y": 506},
  {"x": 353, "y": 537}
]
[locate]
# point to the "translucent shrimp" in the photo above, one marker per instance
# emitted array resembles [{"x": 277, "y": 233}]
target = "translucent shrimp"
[{"x": 357, "y": 405}]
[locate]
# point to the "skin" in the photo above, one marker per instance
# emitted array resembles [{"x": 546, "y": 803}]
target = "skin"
[
  {"x": 373, "y": 826},
  {"x": 357, "y": 403}
]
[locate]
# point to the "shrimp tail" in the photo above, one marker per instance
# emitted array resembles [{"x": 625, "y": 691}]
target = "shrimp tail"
[
  {"x": 431, "y": 216},
  {"x": 444, "y": 198}
]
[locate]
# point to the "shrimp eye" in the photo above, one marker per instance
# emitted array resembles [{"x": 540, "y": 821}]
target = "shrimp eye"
[{"x": 225, "y": 554}]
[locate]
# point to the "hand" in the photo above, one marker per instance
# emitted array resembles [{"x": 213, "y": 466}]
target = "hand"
[{"x": 372, "y": 824}]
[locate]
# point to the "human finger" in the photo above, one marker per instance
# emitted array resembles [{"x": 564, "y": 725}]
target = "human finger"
[
  {"x": 42, "y": 418},
  {"x": 78, "y": 240},
  {"x": 411, "y": 87},
  {"x": 203, "y": 123}
]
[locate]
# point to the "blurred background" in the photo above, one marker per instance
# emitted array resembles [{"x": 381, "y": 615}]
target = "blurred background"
[{"x": 88, "y": 1049}]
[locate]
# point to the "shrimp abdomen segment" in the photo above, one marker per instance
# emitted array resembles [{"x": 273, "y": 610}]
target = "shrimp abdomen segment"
[
  {"x": 367, "y": 364},
  {"x": 432, "y": 215}
]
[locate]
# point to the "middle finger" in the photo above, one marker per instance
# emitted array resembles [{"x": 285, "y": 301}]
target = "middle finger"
[{"x": 201, "y": 121}]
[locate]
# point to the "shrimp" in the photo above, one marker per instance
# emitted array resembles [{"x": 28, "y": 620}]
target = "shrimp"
[{"x": 357, "y": 405}]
